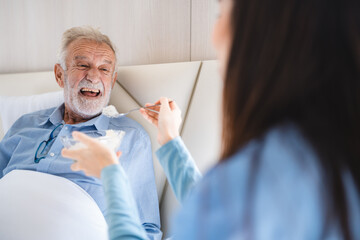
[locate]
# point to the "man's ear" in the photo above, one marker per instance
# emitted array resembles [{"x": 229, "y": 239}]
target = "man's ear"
[
  {"x": 59, "y": 75},
  {"x": 114, "y": 80}
]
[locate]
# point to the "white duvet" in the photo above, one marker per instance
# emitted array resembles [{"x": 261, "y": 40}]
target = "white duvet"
[{"x": 41, "y": 206}]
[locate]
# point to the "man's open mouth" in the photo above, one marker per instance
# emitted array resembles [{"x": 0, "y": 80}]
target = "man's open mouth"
[{"x": 90, "y": 92}]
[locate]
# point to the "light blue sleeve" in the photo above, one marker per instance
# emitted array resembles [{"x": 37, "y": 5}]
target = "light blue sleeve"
[
  {"x": 282, "y": 202},
  {"x": 271, "y": 189},
  {"x": 180, "y": 168},
  {"x": 122, "y": 215}
]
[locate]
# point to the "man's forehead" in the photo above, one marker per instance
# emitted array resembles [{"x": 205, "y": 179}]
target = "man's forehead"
[
  {"x": 83, "y": 49},
  {"x": 86, "y": 58}
]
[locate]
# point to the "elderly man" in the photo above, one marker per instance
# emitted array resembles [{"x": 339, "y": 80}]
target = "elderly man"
[{"x": 86, "y": 71}]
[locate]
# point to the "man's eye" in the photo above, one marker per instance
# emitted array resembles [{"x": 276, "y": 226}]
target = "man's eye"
[
  {"x": 105, "y": 69},
  {"x": 83, "y": 66}
]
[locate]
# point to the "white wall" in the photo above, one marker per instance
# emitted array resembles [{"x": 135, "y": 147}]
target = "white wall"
[{"x": 144, "y": 31}]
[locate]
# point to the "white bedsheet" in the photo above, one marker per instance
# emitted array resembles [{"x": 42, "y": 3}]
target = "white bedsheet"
[{"x": 41, "y": 206}]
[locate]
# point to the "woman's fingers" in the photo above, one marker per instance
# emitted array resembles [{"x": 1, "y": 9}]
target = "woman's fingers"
[
  {"x": 78, "y": 155},
  {"x": 150, "y": 116},
  {"x": 83, "y": 138},
  {"x": 73, "y": 154},
  {"x": 155, "y": 103},
  {"x": 174, "y": 106},
  {"x": 164, "y": 104},
  {"x": 151, "y": 113},
  {"x": 75, "y": 167},
  {"x": 93, "y": 157},
  {"x": 151, "y": 108}
]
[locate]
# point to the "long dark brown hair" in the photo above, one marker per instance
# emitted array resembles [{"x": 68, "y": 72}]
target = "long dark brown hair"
[{"x": 298, "y": 61}]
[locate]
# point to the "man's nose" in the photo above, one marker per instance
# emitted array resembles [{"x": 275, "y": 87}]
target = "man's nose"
[{"x": 93, "y": 75}]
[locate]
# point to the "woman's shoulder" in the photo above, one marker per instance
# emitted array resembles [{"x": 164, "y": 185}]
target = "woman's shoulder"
[
  {"x": 273, "y": 181},
  {"x": 281, "y": 148}
]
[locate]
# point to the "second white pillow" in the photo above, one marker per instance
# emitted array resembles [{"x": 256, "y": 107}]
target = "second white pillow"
[{"x": 13, "y": 107}]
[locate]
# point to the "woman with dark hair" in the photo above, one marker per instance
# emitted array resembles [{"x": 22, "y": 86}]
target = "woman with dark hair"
[{"x": 290, "y": 164}]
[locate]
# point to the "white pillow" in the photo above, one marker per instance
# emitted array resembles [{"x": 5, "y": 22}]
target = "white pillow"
[
  {"x": 13, "y": 107},
  {"x": 35, "y": 205}
]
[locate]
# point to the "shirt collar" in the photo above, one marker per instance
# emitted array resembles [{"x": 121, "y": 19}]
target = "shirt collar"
[
  {"x": 100, "y": 122},
  {"x": 56, "y": 117}
]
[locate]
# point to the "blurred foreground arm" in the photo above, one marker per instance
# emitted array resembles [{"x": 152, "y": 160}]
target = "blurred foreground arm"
[
  {"x": 178, "y": 164},
  {"x": 98, "y": 160}
]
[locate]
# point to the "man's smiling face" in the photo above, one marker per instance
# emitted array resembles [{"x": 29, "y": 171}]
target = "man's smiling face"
[{"x": 89, "y": 77}]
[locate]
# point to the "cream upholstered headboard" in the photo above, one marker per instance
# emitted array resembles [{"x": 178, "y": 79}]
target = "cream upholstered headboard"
[{"x": 195, "y": 86}]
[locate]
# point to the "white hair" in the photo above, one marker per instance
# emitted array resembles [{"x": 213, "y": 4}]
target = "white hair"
[{"x": 84, "y": 32}]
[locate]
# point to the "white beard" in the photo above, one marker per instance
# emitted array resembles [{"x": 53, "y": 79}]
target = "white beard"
[{"x": 82, "y": 106}]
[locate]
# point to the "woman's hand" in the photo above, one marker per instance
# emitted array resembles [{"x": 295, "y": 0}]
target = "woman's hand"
[
  {"x": 93, "y": 158},
  {"x": 167, "y": 121}
]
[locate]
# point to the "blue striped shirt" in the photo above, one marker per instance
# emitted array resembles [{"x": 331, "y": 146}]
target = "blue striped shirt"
[{"x": 18, "y": 147}]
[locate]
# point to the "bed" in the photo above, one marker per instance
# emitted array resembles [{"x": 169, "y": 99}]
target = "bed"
[{"x": 50, "y": 214}]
